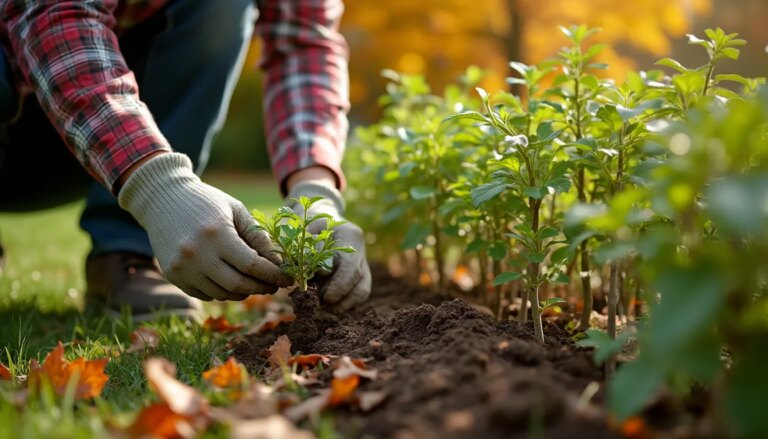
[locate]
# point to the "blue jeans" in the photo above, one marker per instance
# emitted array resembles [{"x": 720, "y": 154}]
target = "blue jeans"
[{"x": 186, "y": 60}]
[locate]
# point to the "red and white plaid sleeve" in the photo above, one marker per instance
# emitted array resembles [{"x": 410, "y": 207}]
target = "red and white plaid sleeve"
[
  {"x": 67, "y": 51},
  {"x": 306, "y": 85}
]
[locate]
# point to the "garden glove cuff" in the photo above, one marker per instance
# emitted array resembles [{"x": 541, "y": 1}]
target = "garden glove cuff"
[
  {"x": 349, "y": 282},
  {"x": 203, "y": 238}
]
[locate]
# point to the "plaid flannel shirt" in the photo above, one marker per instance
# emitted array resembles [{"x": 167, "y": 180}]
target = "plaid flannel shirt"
[{"x": 67, "y": 53}]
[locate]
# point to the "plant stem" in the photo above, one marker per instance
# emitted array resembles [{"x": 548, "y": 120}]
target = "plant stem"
[
  {"x": 710, "y": 71},
  {"x": 584, "y": 273},
  {"x": 302, "y": 266},
  {"x": 613, "y": 289},
  {"x": 438, "y": 247},
  {"x": 533, "y": 292}
]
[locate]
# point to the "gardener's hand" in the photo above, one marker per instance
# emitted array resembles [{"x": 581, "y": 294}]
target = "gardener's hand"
[
  {"x": 349, "y": 282},
  {"x": 201, "y": 236}
]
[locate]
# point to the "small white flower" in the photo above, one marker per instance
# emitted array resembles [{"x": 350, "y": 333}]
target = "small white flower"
[{"x": 514, "y": 141}]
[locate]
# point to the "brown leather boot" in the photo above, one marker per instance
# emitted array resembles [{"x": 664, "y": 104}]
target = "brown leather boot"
[{"x": 120, "y": 279}]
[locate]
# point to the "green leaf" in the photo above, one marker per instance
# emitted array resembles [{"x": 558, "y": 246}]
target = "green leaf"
[
  {"x": 547, "y": 232},
  {"x": 536, "y": 258},
  {"x": 733, "y": 78},
  {"x": 536, "y": 192},
  {"x": 506, "y": 277},
  {"x": 259, "y": 216},
  {"x": 477, "y": 245},
  {"x": 415, "y": 236},
  {"x": 671, "y": 63},
  {"x": 605, "y": 346},
  {"x": 738, "y": 204},
  {"x": 691, "y": 298},
  {"x": 552, "y": 301},
  {"x": 422, "y": 192},
  {"x": 406, "y": 168},
  {"x": 498, "y": 250},
  {"x": 486, "y": 192},
  {"x": 731, "y": 53},
  {"x": 468, "y": 115},
  {"x": 633, "y": 387}
]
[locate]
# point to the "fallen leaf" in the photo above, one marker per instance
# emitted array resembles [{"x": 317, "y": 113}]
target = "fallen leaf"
[
  {"x": 272, "y": 427},
  {"x": 280, "y": 352},
  {"x": 284, "y": 380},
  {"x": 342, "y": 389},
  {"x": 636, "y": 428},
  {"x": 309, "y": 407},
  {"x": 5, "y": 373},
  {"x": 160, "y": 421},
  {"x": 181, "y": 398},
  {"x": 345, "y": 366},
  {"x": 143, "y": 340},
  {"x": 257, "y": 302},
  {"x": 310, "y": 360},
  {"x": 230, "y": 375},
  {"x": 220, "y": 324},
  {"x": 271, "y": 321},
  {"x": 258, "y": 401},
  {"x": 367, "y": 401},
  {"x": 89, "y": 374}
]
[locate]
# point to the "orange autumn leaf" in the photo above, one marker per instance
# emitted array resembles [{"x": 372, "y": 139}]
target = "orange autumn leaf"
[
  {"x": 89, "y": 374},
  {"x": 143, "y": 339},
  {"x": 636, "y": 428},
  {"x": 257, "y": 302},
  {"x": 159, "y": 421},
  {"x": 220, "y": 324},
  {"x": 280, "y": 352},
  {"x": 5, "y": 373},
  {"x": 342, "y": 389},
  {"x": 272, "y": 321},
  {"x": 310, "y": 360},
  {"x": 228, "y": 375},
  {"x": 181, "y": 398}
]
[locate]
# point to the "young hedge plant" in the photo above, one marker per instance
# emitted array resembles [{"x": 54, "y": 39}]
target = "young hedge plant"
[{"x": 304, "y": 254}]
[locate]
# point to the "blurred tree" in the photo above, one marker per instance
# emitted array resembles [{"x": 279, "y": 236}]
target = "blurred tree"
[{"x": 441, "y": 37}]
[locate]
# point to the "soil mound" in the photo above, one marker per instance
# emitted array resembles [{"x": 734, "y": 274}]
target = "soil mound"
[{"x": 450, "y": 371}]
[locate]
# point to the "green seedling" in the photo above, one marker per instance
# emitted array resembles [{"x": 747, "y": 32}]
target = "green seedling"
[{"x": 304, "y": 253}]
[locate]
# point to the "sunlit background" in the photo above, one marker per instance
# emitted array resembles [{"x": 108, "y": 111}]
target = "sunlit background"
[{"x": 440, "y": 38}]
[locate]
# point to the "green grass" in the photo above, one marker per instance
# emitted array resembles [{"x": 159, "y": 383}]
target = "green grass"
[{"x": 41, "y": 303}]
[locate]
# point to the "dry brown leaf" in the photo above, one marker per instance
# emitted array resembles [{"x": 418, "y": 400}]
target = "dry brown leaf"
[
  {"x": 181, "y": 398},
  {"x": 257, "y": 302},
  {"x": 342, "y": 390},
  {"x": 309, "y": 407},
  {"x": 220, "y": 324},
  {"x": 273, "y": 427},
  {"x": 304, "y": 381},
  {"x": 58, "y": 373},
  {"x": 280, "y": 352},
  {"x": 160, "y": 421},
  {"x": 271, "y": 321},
  {"x": 345, "y": 366},
  {"x": 5, "y": 373},
  {"x": 310, "y": 360},
  {"x": 257, "y": 402},
  {"x": 367, "y": 401},
  {"x": 143, "y": 340}
]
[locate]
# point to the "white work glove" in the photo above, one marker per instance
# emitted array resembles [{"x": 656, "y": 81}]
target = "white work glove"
[
  {"x": 203, "y": 238},
  {"x": 349, "y": 282}
]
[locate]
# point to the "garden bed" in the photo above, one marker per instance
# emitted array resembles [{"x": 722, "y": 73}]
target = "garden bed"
[{"x": 450, "y": 370}]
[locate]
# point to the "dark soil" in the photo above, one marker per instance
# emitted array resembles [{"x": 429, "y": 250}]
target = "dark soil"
[{"x": 450, "y": 371}]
